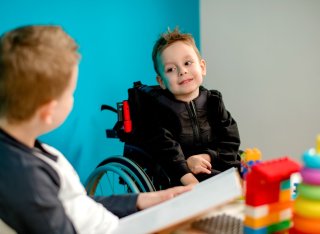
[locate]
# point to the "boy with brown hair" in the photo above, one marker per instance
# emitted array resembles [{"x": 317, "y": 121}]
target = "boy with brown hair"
[
  {"x": 189, "y": 132},
  {"x": 40, "y": 191}
]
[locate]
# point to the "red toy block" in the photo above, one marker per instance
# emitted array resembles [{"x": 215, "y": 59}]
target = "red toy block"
[
  {"x": 276, "y": 169},
  {"x": 263, "y": 182}
]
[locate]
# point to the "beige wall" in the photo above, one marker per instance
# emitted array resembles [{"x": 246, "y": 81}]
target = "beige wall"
[{"x": 264, "y": 56}]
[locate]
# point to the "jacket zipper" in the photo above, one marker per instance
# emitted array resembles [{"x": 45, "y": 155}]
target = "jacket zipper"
[{"x": 194, "y": 121}]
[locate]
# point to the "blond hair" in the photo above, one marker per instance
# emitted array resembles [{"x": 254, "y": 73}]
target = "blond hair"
[{"x": 36, "y": 64}]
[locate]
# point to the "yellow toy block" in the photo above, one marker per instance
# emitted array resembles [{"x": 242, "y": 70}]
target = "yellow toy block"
[{"x": 252, "y": 155}]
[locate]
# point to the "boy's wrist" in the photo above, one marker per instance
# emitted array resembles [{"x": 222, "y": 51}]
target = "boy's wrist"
[{"x": 188, "y": 178}]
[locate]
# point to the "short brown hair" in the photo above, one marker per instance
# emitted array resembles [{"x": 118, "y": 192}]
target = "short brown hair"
[
  {"x": 168, "y": 38},
  {"x": 36, "y": 64}
]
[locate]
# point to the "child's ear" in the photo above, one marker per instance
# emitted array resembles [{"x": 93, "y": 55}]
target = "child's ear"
[
  {"x": 46, "y": 112},
  {"x": 160, "y": 82},
  {"x": 203, "y": 67}
]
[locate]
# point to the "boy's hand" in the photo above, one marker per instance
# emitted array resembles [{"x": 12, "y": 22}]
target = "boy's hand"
[
  {"x": 189, "y": 179},
  {"x": 199, "y": 163},
  {"x": 149, "y": 199}
]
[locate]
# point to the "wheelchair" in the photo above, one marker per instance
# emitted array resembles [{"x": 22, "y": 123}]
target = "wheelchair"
[{"x": 135, "y": 171}]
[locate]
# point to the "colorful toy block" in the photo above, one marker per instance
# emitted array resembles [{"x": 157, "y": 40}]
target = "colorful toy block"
[
  {"x": 269, "y": 196},
  {"x": 248, "y": 158}
]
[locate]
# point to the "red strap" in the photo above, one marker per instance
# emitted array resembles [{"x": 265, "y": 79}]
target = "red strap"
[{"x": 127, "y": 124}]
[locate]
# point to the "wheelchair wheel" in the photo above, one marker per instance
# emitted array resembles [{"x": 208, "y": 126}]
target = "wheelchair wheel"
[
  {"x": 158, "y": 177},
  {"x": 117, "y": 175}
]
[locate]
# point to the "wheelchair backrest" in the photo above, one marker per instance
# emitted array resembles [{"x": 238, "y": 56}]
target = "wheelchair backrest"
[
  {"x": 144, "y": 101},
  {"x": 131, "y": 111}
]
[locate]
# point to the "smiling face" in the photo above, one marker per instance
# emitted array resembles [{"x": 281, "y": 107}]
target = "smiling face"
[{"x": 181, "y": 70}]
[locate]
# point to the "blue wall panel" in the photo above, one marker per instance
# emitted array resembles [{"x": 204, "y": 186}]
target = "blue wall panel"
[{"x": 116, "y": 39}]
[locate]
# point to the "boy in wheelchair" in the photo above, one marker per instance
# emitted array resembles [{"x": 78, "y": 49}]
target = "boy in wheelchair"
[{"x": 186, "y": 127}]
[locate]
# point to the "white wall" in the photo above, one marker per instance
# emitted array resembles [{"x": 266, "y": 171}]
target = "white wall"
[{"x": 264, "y": 56}]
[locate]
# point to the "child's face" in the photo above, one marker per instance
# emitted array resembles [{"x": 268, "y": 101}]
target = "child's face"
[
  {"x": 181, "y": 71},
  {"x": 65, "y": 102}
]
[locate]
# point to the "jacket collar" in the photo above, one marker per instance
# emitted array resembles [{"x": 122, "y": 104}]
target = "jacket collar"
[{"x": 10, "y": 140}]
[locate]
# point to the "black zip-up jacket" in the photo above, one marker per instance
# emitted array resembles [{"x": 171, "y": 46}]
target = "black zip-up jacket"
[{"x": 173, "y": 130}]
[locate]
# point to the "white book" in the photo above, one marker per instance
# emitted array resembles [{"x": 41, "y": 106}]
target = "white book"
[{"x": 203, "y": 198}]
